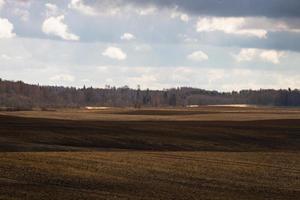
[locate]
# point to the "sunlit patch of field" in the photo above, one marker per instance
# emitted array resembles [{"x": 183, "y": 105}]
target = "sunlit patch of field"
[
  {"x": 235, "y": 105},
  {"x": 202, "y": 113},
  {"x": 186, "y": 153}
]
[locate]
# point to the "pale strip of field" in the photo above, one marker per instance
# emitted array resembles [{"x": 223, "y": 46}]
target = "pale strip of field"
[
  {"x": 205, "y": 113},
  {"x": 96, "y": 108},
  {"x": 234, "y": 105}
]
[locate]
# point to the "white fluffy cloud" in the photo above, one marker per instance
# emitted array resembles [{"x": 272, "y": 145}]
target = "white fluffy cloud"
[
  {"x": 6, "y": 29},
  {"x": 271, "y": 56},
  {"x": 127, "y": 36},
  {"x": 55, "y": 26},
  {"x": 246, "y": 55},
  {"x": 198, "y": 56},
  {"x": 81, "y": 7},
  {"x": 63, "y": 77},
  {"x": 229, "y": 25},
  {"x": 114, "y": 53}
]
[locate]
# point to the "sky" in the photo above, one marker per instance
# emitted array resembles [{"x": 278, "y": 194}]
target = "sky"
[{"x": 220, "y": 45}]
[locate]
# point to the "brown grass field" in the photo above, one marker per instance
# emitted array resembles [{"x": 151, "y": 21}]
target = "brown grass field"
[{"x": 200, "y": 153}]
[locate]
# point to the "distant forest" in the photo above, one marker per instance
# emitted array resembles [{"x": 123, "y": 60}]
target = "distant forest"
[{"x": 25, "y": 96}]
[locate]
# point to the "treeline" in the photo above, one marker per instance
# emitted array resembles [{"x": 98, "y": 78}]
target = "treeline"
[{"x": 23, "y": 96}]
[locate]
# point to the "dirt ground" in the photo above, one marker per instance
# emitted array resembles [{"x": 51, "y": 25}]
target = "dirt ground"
[{"x": 202, "y": 153}]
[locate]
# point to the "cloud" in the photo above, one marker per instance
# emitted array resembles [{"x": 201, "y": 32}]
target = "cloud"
[
  {"x": 6, "y": 29},
  {"x": 55, "y": 26},
  {"x": 2, "y": 3},
  {"x": 51, "y": 9},
  {"x": 180, "y": 15},
  {"x": 114, "y": 53},
  {"x": 127, "y": 36},
  {"x": 204, "y": 77},
  {"x": 271, "y": 56},
  {"x": 187, "y": 39},
  {"x": 18, "y": 8},
  {"x": 22, "y": 13},
  {"x": 247, "y": 55},
  {"x": 122, "y": 7},
  {"x": 150, "y": 10},
  {"x": 63, "y": 77},
  {"x": 81, "y": 7},
  {"x": 198, "y": 56},
  {"x": 8, "y": 57},
  {"x": 231, "y": 25},
  {"x": 184, "y": 17},
  {"x": 228, "y": 8},
  {"x": 5, "y": 57}
]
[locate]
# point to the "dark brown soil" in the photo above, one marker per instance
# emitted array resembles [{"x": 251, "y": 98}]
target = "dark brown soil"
[
  {"x": 44, "y": 158},
  {"x": 30, "y": 134}
]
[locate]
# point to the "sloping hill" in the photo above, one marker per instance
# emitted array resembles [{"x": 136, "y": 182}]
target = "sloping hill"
[{"x": 32, "y": 134}]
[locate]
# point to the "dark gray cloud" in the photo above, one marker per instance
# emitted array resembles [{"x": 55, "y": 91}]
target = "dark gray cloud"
[
  {"x": 268, "y": 8},
  {"x": 281, "y": 41}
]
